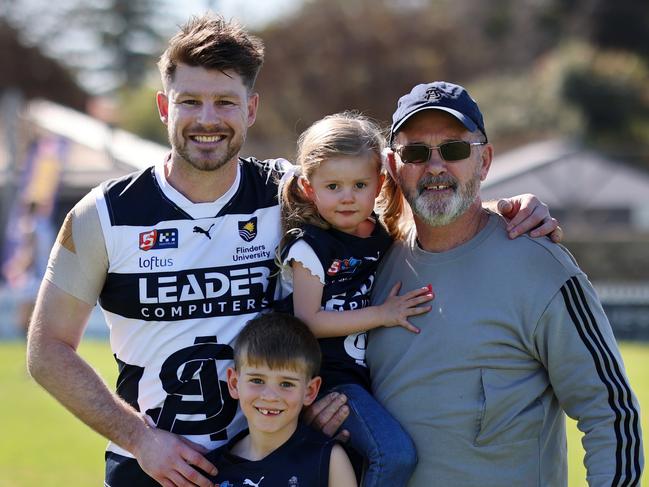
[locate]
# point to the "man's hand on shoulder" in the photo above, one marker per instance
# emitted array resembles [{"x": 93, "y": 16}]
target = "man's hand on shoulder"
[
  {"x": 327, "y": 414},
  {"x": 526, "y": 213}
]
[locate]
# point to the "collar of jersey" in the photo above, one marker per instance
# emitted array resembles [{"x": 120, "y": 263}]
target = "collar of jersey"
[{"x": 195, "y": 210}]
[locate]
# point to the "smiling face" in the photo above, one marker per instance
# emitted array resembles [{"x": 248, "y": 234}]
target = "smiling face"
[
  {"x": 207, "y": 114},
  {"x": 272, "y": 399},
  {"x": 344, "y": 190},
  {"x": 439, "y": 191}
]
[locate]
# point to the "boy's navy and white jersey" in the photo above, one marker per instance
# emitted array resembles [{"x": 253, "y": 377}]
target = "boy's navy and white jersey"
[
  {"x": 346, "y": 265},
  {"x": 303, "y": 461},
  {"x": 183, "y": 279}
]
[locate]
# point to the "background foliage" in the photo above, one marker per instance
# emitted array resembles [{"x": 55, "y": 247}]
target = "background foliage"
[{"x": 539, "y": 68}]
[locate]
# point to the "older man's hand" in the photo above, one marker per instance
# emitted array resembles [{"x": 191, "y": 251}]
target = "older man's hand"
[
  {"x": 526, "y": 213},
  {"x": 327, "y": 414}
]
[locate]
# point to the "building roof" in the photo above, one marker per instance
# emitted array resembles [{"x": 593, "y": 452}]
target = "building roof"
[
  {"x": 117, "y": 149},
  {"x": 95, "y": 151},
  {"x": 565, "y": 174}
]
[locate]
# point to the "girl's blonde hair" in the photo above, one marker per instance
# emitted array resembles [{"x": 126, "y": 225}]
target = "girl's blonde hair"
[{"x": 342, "y": 134}]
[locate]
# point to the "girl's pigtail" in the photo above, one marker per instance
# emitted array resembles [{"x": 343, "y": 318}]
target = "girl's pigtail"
[
  {"x": 392, "y": 210},
  {"x": 296, "y": 211}
]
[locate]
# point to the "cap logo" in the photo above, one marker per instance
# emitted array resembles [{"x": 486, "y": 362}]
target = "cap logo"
[{"x": 433, "y": 94}]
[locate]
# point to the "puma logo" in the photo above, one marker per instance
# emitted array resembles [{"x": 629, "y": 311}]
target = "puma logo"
[
  {"x": 198, "y": 229},
  {"x": 250, "y": 482}
]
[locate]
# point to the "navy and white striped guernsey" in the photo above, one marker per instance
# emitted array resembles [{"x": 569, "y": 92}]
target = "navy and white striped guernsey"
[{"x": 183, "y": 280}]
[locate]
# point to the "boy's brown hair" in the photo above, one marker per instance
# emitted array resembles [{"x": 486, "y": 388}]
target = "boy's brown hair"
[
  {"x": 279, "y": 341},
  {"x": 212, "y": 43}
]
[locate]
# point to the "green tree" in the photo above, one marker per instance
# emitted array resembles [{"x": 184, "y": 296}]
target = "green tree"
[
  {"x": 127, "y": 33},
  {"x": 108, "y": 44},
  {"x": 138, "y": 113}
]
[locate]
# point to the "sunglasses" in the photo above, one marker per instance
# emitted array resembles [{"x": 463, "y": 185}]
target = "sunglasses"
[{"x": 449, "y": 151}]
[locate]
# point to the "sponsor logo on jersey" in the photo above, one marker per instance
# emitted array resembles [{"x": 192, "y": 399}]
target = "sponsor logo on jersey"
[
  {"x": 342, "y": 266},
  {"x": 254, "y": 252},
  {"x": 253, "y": 484},
  {"x": 292, "y": 482},
  {"x": 164, "y": 238},
  {"x": 204, "y": 293},
  {"x": 248, "y": 229},
  {"x": 196, "y": 293},
  {"x": 154, "y": 262},
  {"x": 198, "y": 229}
]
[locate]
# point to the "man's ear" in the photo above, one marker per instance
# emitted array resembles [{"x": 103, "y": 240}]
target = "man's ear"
[
  {"x": 486, "y": 158},
  {"x": 163, "y": 106},
  {"x": 304, "y": 184},
  {"x": 253, "y": 105},
  {"x": 389, "y": 159},
  {"x": 233, "y": 382},
  {"x": 312, "y": 389}
]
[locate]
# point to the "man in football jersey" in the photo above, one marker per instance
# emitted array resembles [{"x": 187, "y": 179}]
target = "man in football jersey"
[
  {"x": 516, "y": 335},
  {"x": 179, "y": 257}
]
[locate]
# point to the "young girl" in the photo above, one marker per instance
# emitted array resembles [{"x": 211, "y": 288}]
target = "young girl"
[{"x": 332, "y": 246}]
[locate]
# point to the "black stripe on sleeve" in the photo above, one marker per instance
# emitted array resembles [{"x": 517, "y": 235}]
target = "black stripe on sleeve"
[{"x": 627, "y": 434}]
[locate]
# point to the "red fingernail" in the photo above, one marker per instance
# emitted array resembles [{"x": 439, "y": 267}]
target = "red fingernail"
[{"x": 430, "y": 288}]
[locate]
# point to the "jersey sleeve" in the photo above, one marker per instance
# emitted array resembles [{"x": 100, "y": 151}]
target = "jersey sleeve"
[
  {"x": 303, "y": 253},
  {"x": 576, "y": 344},
  {"x": 78, "y": 262}
]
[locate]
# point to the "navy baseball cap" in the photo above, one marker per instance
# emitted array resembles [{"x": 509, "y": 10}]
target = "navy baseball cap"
[{"x": 438, "y": 95}]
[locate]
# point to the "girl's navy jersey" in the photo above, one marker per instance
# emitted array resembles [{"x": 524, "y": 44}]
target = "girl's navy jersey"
[
  {"x": 303, "y": 461},
  {"x": 349, "y": 265}
]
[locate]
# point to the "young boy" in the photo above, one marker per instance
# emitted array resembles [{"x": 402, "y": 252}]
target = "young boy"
[{"x": 276, "y": 361}]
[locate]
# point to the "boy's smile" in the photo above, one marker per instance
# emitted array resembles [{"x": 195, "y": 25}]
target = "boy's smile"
[{"x": 272, "y": 399}]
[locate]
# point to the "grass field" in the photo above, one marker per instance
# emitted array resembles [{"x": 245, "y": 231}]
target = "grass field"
[{"x": 43, "y": 444}]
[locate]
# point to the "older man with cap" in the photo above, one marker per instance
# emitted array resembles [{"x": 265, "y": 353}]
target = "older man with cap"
[{"x": 516, "y": 337}]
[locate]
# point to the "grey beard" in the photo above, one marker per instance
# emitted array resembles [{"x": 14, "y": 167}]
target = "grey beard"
[{"x": 437, "y": 212}]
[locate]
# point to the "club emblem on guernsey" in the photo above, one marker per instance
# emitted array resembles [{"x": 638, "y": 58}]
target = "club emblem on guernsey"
[
  {"x": 166, "y": 238},
  {"x": 292, "y": 482},
  {"x": 248, "y": 230}
]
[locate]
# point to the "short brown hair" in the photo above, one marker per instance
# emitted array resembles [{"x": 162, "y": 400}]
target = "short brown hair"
[
  {"x": 212, "y": 43},
  {"x": 278, "y": 340}
]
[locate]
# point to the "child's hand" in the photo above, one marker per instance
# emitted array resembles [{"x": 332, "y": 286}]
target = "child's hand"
[{"x": 397, "y": 309}]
